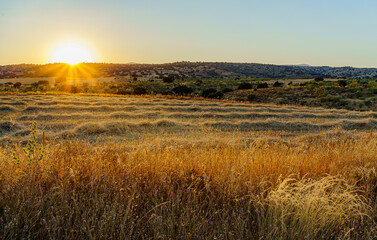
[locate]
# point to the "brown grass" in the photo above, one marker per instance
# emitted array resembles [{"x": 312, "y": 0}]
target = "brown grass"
[{"x": 158, "y": 178}]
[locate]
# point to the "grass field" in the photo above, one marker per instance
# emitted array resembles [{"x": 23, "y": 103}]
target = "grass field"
[
  {"x": 349, "y": 94},
  {"x": 154, "y": 168}
]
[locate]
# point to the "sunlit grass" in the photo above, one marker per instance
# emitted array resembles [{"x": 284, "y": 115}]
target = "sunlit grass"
[
  {"x": 151, "y": 189},
  {"x": 150, "y": 168}
]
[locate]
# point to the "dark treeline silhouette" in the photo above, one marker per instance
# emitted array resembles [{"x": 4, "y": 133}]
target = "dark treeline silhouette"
[{"x": 169, "y": 71}]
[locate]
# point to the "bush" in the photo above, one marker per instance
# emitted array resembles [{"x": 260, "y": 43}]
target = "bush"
[
  {"x": 372, "y": 90},
  {"x": 226, "y": 90},
  {"x": 44, "y": 82},
  {"x": 278, "y": 84},
  {"x": 182, "y": 90},
  {"x": 281, "y": 101},
  {"x": 245, "y": 85},
  {"x": 168, "y": 79},
  {"x": 372, "y": 84},
  {"x": 333, "y": 98},
  {"x": 318, "y": 79},
  {"x": 123, "y": 91},
  {"x": 17, "y": 85},
  {"x": 357, "y": 94},
  {"x": 75, "y": 89},
  {"x": 368, "y": 103},
  {"x": 208, "y": 91},
  {"x": 139, "y": 91},
  {"x": 262, "y": 85},
  {"x": 354, "y": 84},
  {"x": 343, "y": 103},
  {"x": 251, "y": 97},
  {"x": 216, "y": 95},
  {"x": 60, "y": 80},
  {"x": 342, "y": 83}
]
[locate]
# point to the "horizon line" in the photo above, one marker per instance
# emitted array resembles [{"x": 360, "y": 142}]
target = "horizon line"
[{"x": 183, "y": 61}]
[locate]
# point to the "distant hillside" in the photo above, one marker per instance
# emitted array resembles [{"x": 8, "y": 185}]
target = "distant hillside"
[{"x": 190, "y": 70}]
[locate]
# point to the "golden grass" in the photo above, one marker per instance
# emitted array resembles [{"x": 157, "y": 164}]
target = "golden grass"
[
  {"x": 175, "y": 178},
  {"x": 192, "y": 189}
]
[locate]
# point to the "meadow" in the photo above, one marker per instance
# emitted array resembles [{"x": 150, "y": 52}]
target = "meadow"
[{"x": 134, "y": 167}]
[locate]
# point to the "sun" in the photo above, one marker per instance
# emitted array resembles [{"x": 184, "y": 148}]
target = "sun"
[{"x": 72, "y": 53}]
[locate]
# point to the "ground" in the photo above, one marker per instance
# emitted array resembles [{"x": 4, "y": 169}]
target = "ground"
[
  {"x": 135, "y": 167},
  {"x": 351, "y": 94}
]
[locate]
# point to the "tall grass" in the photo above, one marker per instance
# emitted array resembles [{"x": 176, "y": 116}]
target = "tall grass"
[{"x": 323, "y": 188}]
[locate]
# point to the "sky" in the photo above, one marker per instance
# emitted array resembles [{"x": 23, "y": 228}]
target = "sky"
[{"x": 315, "y": 32}]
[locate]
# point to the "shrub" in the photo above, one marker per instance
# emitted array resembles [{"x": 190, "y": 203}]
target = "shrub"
[
  {"x": 226, "y": 90},
  {"x": 372, "y": 90},
  {"x": 318, "y": 79},
  {"x": 356, "y": 94},
  {"x": 245, "y": 85},
  {"x": 182, "y": 90},
  {"x": 333, "y": 98},
  {"x": 368, "y": 103},
  {"x": 28, "y": 89},
  {"x": 17, "y": 85},
  {"x": 342, "y": 83},
  {"x": 33, "y": 152},
  {"x": 281, "y": 101},
  {"x": 139, "y": 90},
  {"x": 262, "y": 85},
  {"x": 123, "y": 91},
  {"x": 372, "y": 84},
  {"x": 251, "y": 97},
  {"x": 208, "y": 91},
  {"x": 278, "y": 84},
  {"x": 168, "y": 79},
  {"x": 60, "y": 80},
  {"x": 75, "y": 89},
  {"x": 343, "y": 103},
  {"x": 43, "y": 82},
  {"x": 354, "y": 84},
  {"x": 216, "y": 95}
]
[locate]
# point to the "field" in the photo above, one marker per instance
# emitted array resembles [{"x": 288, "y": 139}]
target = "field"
[
  {"x": 351, "y": 94},
  {"x": 111, "y": 167}
]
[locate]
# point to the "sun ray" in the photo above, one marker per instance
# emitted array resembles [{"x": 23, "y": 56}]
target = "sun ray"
[{"x": 70, "y": 66}]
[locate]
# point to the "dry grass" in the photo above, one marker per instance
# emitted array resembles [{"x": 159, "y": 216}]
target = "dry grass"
[{"x": 174, "y": 178}]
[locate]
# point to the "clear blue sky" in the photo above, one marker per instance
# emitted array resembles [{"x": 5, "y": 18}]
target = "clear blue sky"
[{"x": 332, "y": 32}]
